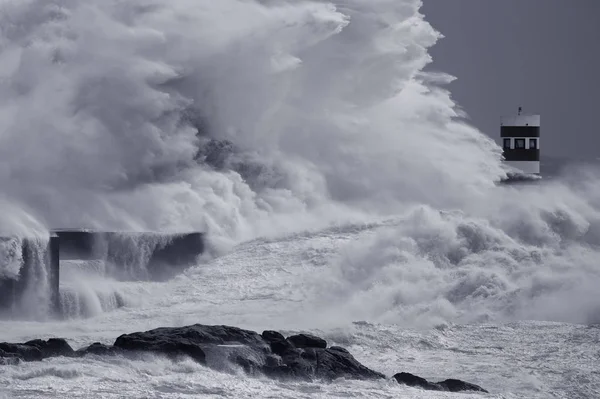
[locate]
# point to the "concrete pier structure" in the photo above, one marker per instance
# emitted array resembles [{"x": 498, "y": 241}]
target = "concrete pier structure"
[{"x": 131, "y": 256}]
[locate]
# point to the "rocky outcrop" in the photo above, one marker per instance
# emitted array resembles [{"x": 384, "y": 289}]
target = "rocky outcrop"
[
  {"x": 307, "y": 341},
  {"x": 412, "y": 380},
  {"x": 450, "y": 385},
  {"x": 306, "y": 356},
  {"x": 453, "y": 385},
  {"x": 99, "y": 349},
  {"x": 302, "y": 356},
  {"x": 36, "y": 349},
  {"x": 51, "y": 347}
]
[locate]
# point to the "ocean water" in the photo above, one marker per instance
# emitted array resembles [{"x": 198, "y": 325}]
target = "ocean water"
[
  {"x": 294, "y": 284},
  {"x": 339, "y": 187}
]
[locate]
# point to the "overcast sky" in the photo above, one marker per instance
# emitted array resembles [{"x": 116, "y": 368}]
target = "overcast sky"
[{"x": 543, "y": 55}]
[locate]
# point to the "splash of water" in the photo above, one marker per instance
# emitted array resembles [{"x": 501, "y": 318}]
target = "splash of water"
[
  {"x": 435, "y": 267},
  {"x": 11, "y": 258},
  {"x": 325, "y": 104},
  {"x": 25, "y": 277},
  {"x": 85, "y": 295}
]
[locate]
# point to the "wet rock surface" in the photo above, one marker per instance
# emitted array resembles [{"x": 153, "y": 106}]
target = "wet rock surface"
[
  {"x": 99, "y": 349},
  {"x": 36, "y": 349},
  {"x": 307, "y": 341},
  {"x": 454, "y": 385},
  {"x": 301, "y": 356},
  {"x": 451, "y": 385}
]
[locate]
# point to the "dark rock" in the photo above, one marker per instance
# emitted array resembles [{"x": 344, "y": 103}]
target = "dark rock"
[
  {"x": 52, "y": 347},
  {"x": 305, "y": 357},
  {"x": 307, "y": 341},
  {"x": 249, "y": 365},
  {"x": 339, "y": 349},
  {"x": 454, "y": 385},
  {"x": 319, "y": 363},
  {"x": 169, "y": 346},
  {"x": 176, "y": 341},
  {"x": 270, "y": 336},
  {"x": 333, "y": 363},
  {"x": 225, "y": 348},
  {"x": 201, "y": 334},
  {"x": 451, "y": 385},
  {"x": 8, "y": 358},
  {"x": 272, "y": 361},
  {"x": 20, "y": 351},
  {"x": 415, "y": 381},
  {"x": 278, "y": 344},
  {"x": 99, "y": 349},
  {"x": 226, "y": 357},
  {"x": 36, "y": 349},
  {"x": 309, "y": 354}
]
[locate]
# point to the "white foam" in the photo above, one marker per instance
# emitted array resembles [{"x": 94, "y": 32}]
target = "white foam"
[{"x": 107, "y": 88}]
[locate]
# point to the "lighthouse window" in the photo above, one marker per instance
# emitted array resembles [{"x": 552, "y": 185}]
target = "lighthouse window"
[
  {"x": 506, "y": 144},
  {"x": 532, "y": 144},
  {"x": 520, "y": 143}
]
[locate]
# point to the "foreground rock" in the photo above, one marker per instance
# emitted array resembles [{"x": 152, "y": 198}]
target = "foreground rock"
[
  {"x": 302, "y": 356},
  {"x": 450, "y": 385},
  {"x": 306, "y": 356},
  {"x": 36, "y": 349}
]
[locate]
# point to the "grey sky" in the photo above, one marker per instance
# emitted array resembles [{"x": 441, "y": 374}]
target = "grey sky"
[{"x": 543, "y": 55}]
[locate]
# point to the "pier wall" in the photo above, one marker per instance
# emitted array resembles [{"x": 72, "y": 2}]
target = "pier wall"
[{"x": 33, "y": 265}]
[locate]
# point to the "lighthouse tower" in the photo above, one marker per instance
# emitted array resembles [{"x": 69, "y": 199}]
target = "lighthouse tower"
[{"x": 521, "y": 142}]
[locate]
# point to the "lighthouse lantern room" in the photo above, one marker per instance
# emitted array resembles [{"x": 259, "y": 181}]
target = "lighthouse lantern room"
[{"x": 521, "y": 142}]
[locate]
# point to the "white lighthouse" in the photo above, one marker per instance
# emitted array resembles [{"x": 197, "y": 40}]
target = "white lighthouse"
[{"x": 521, "y": 142}]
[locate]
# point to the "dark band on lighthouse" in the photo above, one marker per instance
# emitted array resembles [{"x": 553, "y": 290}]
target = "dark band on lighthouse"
[{"x": 520, "y": 131}]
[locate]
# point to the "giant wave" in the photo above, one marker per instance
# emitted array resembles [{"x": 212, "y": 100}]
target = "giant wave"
[{"x": 249, "y": 119}]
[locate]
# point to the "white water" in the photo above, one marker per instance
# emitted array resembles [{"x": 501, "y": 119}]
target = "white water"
[
  {"x": 270, "y": 284},
  {"x": 377, "y": 202}
]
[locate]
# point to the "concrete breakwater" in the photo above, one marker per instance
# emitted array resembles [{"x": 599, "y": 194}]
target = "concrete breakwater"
[{"x": 31, "y": 267}]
